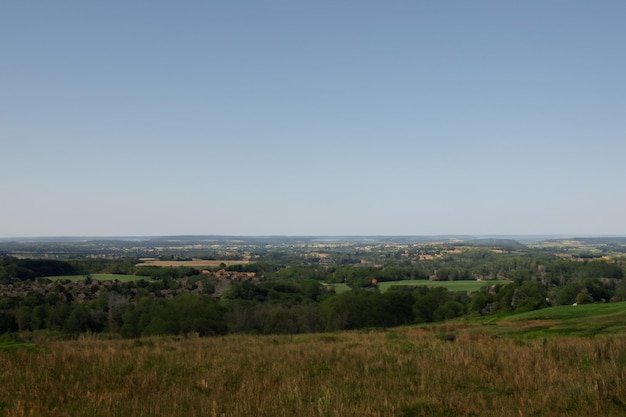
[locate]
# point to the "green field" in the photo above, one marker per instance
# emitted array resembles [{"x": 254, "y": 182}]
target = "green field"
[
  {"x": 98, "y": 277},
  {"x": 339, "y": 288},
  {"x": 587, "y": 320},
  {"x": 585, "y": 311}
]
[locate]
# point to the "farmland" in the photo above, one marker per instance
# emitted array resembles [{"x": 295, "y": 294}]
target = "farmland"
[
  {"x": 196, "y": 263},
  {"x": 99, "y": 277}
]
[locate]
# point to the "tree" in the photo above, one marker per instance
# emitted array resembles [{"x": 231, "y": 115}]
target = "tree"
[
  {"x": 448, "y": 310},
  {"x": 39, "y": 317},
  {"x": 479, "y": 301},
  {"x": 246, "y": 290},
  {"x": 427, "y": 301},
  {"x": 184, "y": 314},
  {"x": 584, "y": 297},
  {"x": 397, "y": 306},
  {"x": 23, "y": 317},
  {"x": 530, "y": 295}
]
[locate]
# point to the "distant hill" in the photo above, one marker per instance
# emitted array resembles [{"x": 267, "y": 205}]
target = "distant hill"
[
  {"x": 602, "y": 240},
  {"x": 504, "y": 244}
]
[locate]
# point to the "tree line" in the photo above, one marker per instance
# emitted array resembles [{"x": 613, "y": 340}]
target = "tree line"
[{"x": 287, "y": 298}]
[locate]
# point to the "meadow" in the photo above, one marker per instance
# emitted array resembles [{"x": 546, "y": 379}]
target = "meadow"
[
  {"x": 588, "y": 320},
  {"x": 492, "y": 368}
]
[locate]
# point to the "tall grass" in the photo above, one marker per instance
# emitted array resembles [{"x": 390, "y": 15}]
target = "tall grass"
[{"x": 404, "y": 372}]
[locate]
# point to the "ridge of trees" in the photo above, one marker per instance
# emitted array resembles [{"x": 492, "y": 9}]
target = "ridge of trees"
[{"x": 280, "y": 295}]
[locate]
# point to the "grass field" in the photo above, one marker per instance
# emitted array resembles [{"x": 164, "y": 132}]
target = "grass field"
[
  {"x": 339, "y": 288},
  {"x": 404, "y": 372},
  {"x": 587, "y": 320},
  {"x": 99, "y": 277},
  {"x": 584, "y": 311}
]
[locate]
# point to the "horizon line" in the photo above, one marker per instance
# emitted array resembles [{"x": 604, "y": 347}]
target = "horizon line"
[{"x": 334, "y": 236}]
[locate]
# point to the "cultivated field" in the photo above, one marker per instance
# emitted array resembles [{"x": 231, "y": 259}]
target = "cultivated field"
[
  {"x": 98, "y": 277},
  {"x": 196, "y": 263},
  {"x": 495, "y": 369}
]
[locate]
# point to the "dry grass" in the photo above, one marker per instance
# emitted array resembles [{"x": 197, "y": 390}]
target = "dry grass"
[{"x": 406, "y": 372}]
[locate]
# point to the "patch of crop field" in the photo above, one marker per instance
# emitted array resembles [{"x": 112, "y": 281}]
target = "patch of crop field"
[
  {"x": 196, "y": 263},
  {"x": 404, "y": 372},
  {"x": 98, "y": 277},
  {"x": 339, "y": 287},
  {"x": 465, "y": 286}
]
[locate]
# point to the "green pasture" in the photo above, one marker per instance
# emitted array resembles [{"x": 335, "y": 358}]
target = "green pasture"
[
  {"x": 339, "y": 288},
  {"x": 569, "y": 312},
  {"x": 98, "y": 277},
  {"x": 588, "y": 320}
]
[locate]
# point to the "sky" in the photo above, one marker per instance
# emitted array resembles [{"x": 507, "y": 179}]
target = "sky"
[{"x": 147, "y": 118}]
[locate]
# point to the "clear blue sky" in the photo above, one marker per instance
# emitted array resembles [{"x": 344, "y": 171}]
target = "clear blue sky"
[{"x": 312, "y": 118}]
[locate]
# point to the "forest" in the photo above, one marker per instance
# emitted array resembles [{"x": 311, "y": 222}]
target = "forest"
[{"x": 289, "y": 290}]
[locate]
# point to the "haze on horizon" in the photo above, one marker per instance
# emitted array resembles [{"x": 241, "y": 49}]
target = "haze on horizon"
[{"x": 282, "y": 118}]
